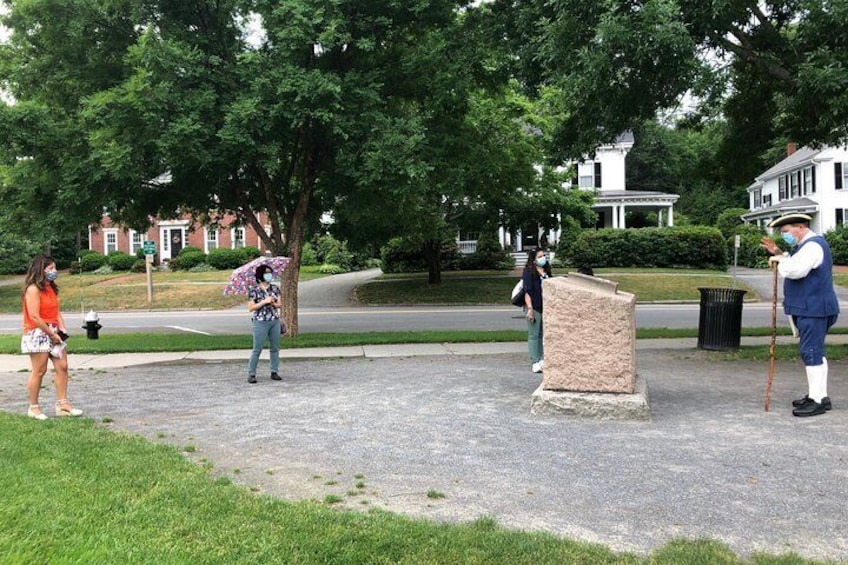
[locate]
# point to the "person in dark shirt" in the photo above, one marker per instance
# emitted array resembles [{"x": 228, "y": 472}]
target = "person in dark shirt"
[{"x": 536, "y": 269}]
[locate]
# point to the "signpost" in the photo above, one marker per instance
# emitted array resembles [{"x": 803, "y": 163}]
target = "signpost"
[
  {"x": 149, "y": 253},
  {"x": 737, "y": 242}
]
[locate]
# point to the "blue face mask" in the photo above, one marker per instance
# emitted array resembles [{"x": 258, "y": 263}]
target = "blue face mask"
[
  {"x": 541, "y": 261},
  {"x": 51, "y": 275},
  {"x": 267, "y": 277},
  {"x": 789, "y": 238}
]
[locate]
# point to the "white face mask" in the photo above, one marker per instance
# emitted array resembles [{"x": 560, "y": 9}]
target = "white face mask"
[{"x": 541, "y": 261}]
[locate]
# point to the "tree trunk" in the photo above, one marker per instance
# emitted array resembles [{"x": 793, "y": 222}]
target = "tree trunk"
[{"x": 432, "y": 251}]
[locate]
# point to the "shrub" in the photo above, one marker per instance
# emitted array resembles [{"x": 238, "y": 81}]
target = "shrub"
[
  {"x": 334, "y": 252},
  {"x": 249, "y": 253},
  {"x": 401, "y": 255},
  {"x": 186, "y": 261},
  {"x": 223, "y": 259},
  {"x": 489, "y": 255},
  {"x": 692, "y": 247},
  {"x": 729, "y": 220},
  {"x": 140, "y": 266},
  {"x": 750, "y": 253},
  {"x": 120, "y": 261},
  {"x": 330, "y": 269},
  {"x": 202, "y": 268},
  {"x": 837, "y": 239},
  {"x": 92, "y": 261},
  {"x": 103, "y": 270},
  {"x": 308, "y": 256},
  {"x": 188, "y": 250}
]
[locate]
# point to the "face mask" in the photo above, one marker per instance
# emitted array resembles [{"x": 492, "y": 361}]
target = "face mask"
[
  {"x": 789, "y": 238},
  {"x": 541, "y": 261},
  {"x": 51, "y": 275},
  {"x": 267, "y": 277}
]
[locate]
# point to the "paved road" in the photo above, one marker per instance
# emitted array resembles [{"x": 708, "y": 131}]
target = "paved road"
[
  {"x": 326, "y": 305},
  {"x": 711, "y": 463}
]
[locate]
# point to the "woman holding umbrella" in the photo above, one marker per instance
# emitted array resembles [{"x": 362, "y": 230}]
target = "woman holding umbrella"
[{"x": 264, "y": 304}]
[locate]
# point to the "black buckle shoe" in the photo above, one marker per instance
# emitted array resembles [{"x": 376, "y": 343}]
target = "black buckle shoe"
[
  {"x": 806, "y": 400},
  {"x": 251, "y": 379},
  {"x": 276, "y": 377},
  {"x": 811, "y": 408}
]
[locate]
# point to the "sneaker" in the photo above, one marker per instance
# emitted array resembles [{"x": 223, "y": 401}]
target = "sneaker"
[
  {"x": 251, "y": 379},
  {"x": 536, "y": 367},
  {"x": 276, "y": 377}
]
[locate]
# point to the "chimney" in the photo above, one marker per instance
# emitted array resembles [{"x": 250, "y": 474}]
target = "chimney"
[{"x": 791, "y": 148}]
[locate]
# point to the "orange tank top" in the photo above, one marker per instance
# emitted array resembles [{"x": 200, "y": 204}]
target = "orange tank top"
[{"x": 49, "y": 309}]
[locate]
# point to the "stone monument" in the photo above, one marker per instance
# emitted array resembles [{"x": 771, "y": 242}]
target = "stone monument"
[{"x": 590, "y": 351}]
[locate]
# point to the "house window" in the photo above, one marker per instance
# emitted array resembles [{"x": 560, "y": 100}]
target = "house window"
[
  {"x": 767, "y": 200},
  {"x": 795, "y": 184},
  {"x": 211, "y": 239},
  {"x": 136, "y": 241},
  {"x": 781, "y": 192},
  {"x": 840, "y": 175},
  {"x": 758, "y": 198},
  {"x": 110, "y": 241},
  {"x": 586, "y": 175},
  {"x": 840, "y": 217},
  {"x": 809, "y": 180},
  {"x": 238, "y": 238}
]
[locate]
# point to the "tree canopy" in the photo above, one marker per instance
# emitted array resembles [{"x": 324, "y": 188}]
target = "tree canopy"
[{"x": 617, "y": 62}]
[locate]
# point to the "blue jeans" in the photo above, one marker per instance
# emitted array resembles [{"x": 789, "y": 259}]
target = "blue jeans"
[
  {"x": 265, "y": 331},
  {"x": 534, "y": 338}
]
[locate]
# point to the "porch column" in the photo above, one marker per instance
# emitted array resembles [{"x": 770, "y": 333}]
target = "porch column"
[
  {"x": 622, "y": 223},
  {"x": 659, "y": 218},
  {"x": 614, "y": 214},
  {"x": 670, "y": 215}
]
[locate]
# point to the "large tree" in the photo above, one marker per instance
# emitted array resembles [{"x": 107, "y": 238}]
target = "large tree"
[
  {"x": 229, "y": 105},
  {"x": 619, "y": 61}
]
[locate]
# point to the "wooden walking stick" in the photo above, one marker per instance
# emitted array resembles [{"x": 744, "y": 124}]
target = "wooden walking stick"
[{"x": 773, "y": 336}]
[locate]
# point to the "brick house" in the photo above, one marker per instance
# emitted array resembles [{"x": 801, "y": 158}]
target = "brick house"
[{"x": 172, "y": 235}]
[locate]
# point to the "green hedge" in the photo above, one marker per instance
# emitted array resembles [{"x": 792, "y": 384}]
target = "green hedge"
[
  {"x": 92, "y": 261},
  {"x": 188, "y": 260},
  {"x": 837, "y": 239},
  {"x": 120, "y": 261},
  {"x": 223, "y": 259},
  {"x": 688, "y": 247},
  {"x": 406, "y": 255}
]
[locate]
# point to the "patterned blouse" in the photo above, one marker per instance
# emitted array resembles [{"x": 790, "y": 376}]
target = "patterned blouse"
[{"x": 258, "y": 294}]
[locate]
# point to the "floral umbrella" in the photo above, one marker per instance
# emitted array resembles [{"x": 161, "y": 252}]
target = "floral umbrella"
[{"x": 244, "y": 277}]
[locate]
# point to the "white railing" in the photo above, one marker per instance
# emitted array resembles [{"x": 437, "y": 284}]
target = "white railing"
[{"x": 467, "y": 247}]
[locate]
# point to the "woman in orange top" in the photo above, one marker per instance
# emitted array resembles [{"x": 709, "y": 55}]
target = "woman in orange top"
[{"x": 44, "y": 336}]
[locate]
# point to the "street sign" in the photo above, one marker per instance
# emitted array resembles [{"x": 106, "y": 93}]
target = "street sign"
[
  {"x": 149, "y": 258},
  {"x": 149, "y": 247}
]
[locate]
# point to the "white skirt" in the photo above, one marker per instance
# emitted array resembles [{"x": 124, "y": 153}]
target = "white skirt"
[{"x": 36, "y": 341}]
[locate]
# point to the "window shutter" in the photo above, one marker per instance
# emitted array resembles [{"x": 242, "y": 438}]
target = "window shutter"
[
  {"x": 813, "y": 183},
  {"x": 839, "y": 218},
  {"x": 597, "y": 175},
  {"x": 837, "y": 173}
]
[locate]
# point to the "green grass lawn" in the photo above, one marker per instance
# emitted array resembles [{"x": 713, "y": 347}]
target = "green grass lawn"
[
  {"x": 75, "y": 492},
  {"x": 128, "y": 291},
  {"x": 494, "y": 287}
]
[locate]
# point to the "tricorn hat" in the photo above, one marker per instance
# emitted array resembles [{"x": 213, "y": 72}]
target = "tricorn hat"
[{"x": 794, "y": 218}]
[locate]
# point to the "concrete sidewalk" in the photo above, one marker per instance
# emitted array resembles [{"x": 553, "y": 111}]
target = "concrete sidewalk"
[
  {"x": 13, "y": 363},
  {"x": 408, "y": 419}
]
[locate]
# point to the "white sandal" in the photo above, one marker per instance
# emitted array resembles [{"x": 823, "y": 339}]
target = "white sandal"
[
  {"x": 64, "y": 408},
  {"x": 32, "y": 414}
]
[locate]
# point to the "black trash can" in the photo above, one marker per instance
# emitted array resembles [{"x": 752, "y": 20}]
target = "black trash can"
[{"x": 720, "y": 321}]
